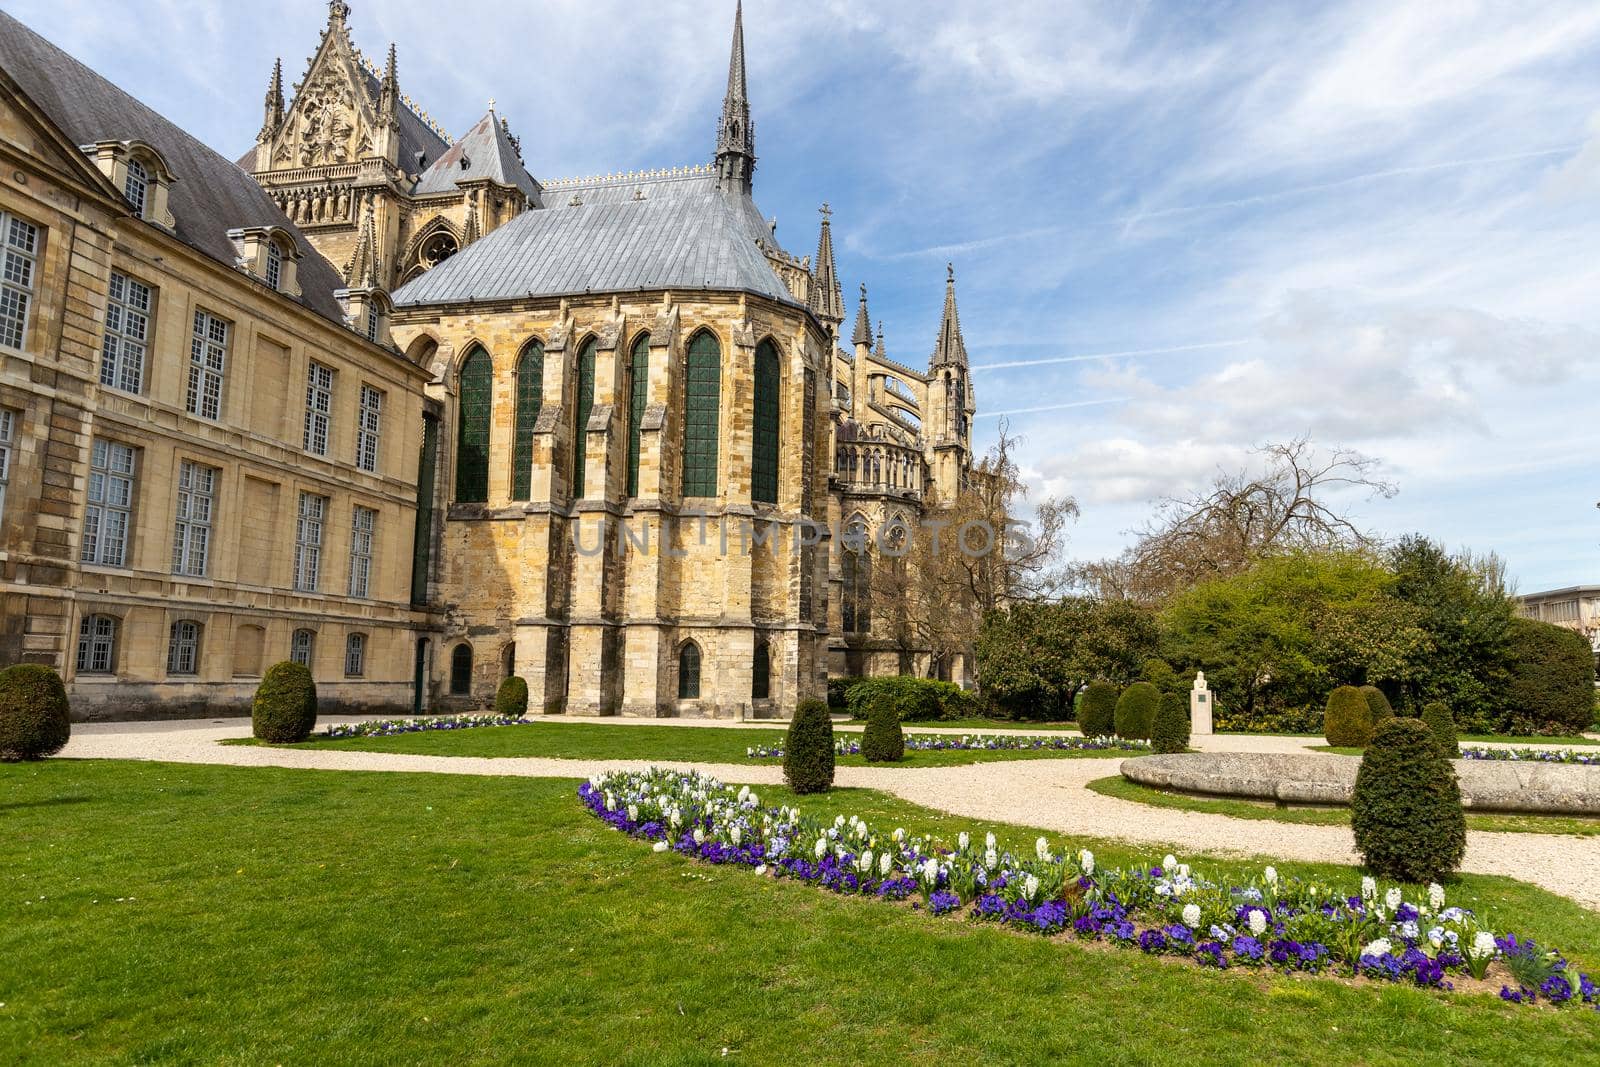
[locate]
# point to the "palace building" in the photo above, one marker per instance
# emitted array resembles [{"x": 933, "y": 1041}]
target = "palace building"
[{"x": 385, "y": 402}]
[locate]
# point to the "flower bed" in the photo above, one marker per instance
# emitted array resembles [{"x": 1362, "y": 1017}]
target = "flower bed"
[
  {"x": 851, "y": 746},
  {"x": 391, "y": 727},
  {"x": 1165, "y": 908},
  {"x": 1533, "y": 755}
]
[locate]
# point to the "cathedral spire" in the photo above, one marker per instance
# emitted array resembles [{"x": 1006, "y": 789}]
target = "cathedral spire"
[
  {"x": 879, "y": 352},
  {"x": 736, "y": 141},
  {"x": 364, "y": 269},
  {"x": 949, "y": 348},
  {"x": 389, "y": 91},
  {"x": 273, "y": 111},
  {"x": 863, "y": 331},
  {"x": 826, "y": 298}
]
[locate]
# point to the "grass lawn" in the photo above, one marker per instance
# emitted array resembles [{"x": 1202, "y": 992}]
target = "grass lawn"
[
  {"x": 566, "y": 740},
  {"x": 159, "y": 913},
  {"x": 1117, "y": 786}
]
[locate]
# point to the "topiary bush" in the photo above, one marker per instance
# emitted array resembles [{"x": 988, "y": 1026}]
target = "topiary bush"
[
  {"x": 883, "y": 740},
  {"x": 1437, "y": 718},
  {"x": 1097, "y": 715},
  {"x": 1171, "y": 730},
  {"x": 1552, "y": 679},
  {"x": 1136, "y": 711},
  {"x": 1406, "y": 809},
  {"x": 285, "y": 707},
  {"x": 511, "y": 699},
  {"x": 34, "y": 719},
  {"x": 1347, "y": 722},
  {"x": 808, "y": 749},
  {"x": 914, "y": 699},
  {"x": 1378, "y": 705}
]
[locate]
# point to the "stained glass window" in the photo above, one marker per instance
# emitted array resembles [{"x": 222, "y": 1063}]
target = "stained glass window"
[
  {"x": 530, "y": 397},
  {"x": 764, "y": 459},
  {"x": 689, "y": 671},
  {"x": 580, "y": 417},
  {"x": 638, "y": 394},
  {"x": 472, "y": 439},
  {"x": 701, "y": 402}
]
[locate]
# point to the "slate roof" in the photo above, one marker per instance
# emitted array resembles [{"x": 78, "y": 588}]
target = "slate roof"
[
  {"x": 665, "y": 230},
  {"x": 416, "y": 136},
  {"x": 488, "y": 152},
  {"x": 210, "y": 194}
]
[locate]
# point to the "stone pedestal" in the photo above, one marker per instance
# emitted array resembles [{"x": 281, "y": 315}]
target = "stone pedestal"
[{"x": 1200, "y": 706}]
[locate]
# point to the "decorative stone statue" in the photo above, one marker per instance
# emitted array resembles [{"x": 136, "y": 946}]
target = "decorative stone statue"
[{"x": 1200, "y": 706}]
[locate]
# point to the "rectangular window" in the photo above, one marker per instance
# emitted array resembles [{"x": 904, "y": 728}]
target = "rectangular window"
[
  {"x": 308, "y": 542},
  {"x": 8, "y": 433},
  {"x": 97, "y": 644},
  {"x": 109, "y": 516},
  {"x": 191, "y": 536},
  {"x": 372, "y": 322},
  {"x": 319, "y": 409},
  {"x": 19, "y": 262},
  {"x": 368, "y": 422},
  {"x": 362, "y": 524},
  {"x": 208, "y": 359},
  {"x": 127, "y": 334},
  {"x": 355, "y": 655},
  {"x": 274, "y": 265},
  {"x": 183, "y": 650},
  {"x": 300, "y": 647}
]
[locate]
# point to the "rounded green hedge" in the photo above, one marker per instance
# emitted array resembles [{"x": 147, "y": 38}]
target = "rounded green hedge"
[
  {"x": 1406, "y": 809},
  {"x": 1136, "y": 711},
  {"x": 1552, "y": 679},
  {"x": 1437, "y": 718},
  {"x": 808, "y": 749},
  {"x": 1378, "y": 705},
  {"x": 285, "y": 708},
  {"x": 1171, "y": 730},
  {"x": 1347, "y": 722},
  {"x": 1097, "y": 714},
  {"x": 34, "y": 717},
  {"x": 511, "y": 699},
  {"x": 883, "y": 741}
]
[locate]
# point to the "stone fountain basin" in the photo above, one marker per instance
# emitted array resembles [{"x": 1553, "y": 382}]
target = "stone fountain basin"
[{"x": 1486, "y": 785}]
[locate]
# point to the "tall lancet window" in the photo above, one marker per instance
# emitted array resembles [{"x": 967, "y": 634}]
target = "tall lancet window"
[
  {"x": 764, "y": 465},
  {"x": 580, "y": 415},
  {"x": 702, "y": 401},
  {"x": 530, "y": 397},
  {"x": 472, "y": 437}
]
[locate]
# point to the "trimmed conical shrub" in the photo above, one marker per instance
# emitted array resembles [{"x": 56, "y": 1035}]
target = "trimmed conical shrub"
[
  {"x": 1097, "y": 716},
  {"x": 285, "y": 707},
  {"x": 1171, "y": 730},
  {"x": 883, "y": 741},
  {"x": 1347, "y": 722},
  {"x": 1378, "y": 706},
  {"x": 1136, "y": 711},
  {"x": 1406, "y": 809},
  {"x": 511, "y": 699},
  {"x": 808, "y": 749},
  {"x": 1437, "y": 717},
  {"x": 34, "y": 719}
]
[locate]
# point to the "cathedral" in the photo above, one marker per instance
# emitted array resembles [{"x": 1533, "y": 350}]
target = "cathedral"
[{"x": 607, "y": 433}]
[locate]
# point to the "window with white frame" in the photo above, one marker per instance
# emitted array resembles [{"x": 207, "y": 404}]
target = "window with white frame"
[
  {"x": 208, "y": 359},
  {"x": 97, "y": 644},
  {"x": 127, "y": 335},
  {"x": 362, "y": 525},
  {"x": 368, "y": 422},
  {"x": 300, "y": 647},
  {"x": 136, "y": 186},
  {"x": 191, "y": 534},
  {"x": 183, "y": 649},
  {"x": 308, "y": 542},
  {"x": 19, "y": 261},
  {"x": 274, "y": 271},
  {"x": 319, "y": 409},
  {"x": 372, "y": 321},
  {"x": 355, "y": 655},
  {"x": 109, "y": 516},
  {"x": 8, "y": 435}
]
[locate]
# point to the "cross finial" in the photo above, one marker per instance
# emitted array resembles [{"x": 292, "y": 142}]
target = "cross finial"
[
  {"x": 491, "y": 103},
  {"x": 825, "y": 211},
  {"x": 950, "y": 272}
]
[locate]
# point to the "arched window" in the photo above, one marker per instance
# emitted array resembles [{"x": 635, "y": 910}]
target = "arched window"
[
  {"x": 508, "y": 660},
  {"x": 855, "y": 572},
  {"x": 764, "y": 458},
  {"x": 702, "y": 400},
  {"x": 474, "y": 387},
  {"x": 183, "y": 648},
  {"x": 580, "y": 415},
  {"x": 97, "y": 644},
  {"x": 638, "y": 394},
  {"x": 689, "y": 671},
  {"x": 136, "y": 186},
  {"x": 461, "y": 670},
  {"x": 530, "y": 397},
  {"x": 355, "y": 655},
  {"x": 761, "y": 671},
  {"x": 300, "y": 647}
]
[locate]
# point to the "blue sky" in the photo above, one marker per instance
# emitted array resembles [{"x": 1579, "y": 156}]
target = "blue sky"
[{"x": 1376, "y": 223}]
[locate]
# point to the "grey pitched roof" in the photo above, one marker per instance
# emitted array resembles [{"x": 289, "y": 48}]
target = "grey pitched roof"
[
  {"x": 210, "y": 196},
  {"x": 663, "y": 230},
  {"x": 418, "y": 140},
  {"x": 488, "y": 153}
]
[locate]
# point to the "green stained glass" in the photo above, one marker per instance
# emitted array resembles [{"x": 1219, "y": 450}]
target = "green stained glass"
[
  {"x": 530, "y": 396},
  {"x": 580, "y": 421},
  {"x": 701, "y": 403},
  {"x": 472, "y": 436},
  {"x": 764, "y": 461},
  {"x": 639, "y": 392},
  {"x": 689, "y": 671}
]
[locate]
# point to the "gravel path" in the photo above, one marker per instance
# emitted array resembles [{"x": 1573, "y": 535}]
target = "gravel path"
[{"x": 1046, "y": 793}]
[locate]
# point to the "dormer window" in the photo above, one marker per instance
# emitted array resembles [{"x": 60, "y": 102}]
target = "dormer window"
[
  {"x": 274, "y": 265},
  {"x": 372, "y": 322},
  {"x": 143, "y": 176},
  {"x": 136, "y": 186},
  {"x": 268, "y": 253},
  {"x": 366, "y": 312}
]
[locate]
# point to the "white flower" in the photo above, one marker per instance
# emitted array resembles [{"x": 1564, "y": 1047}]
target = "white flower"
[
  {"x": 744, "y": 791},
  {"x": 1409, "y": 929},
  {"x": 861, "y": 831},
  {"x": 1271, "y": 875},
  {"x": 1393, "y": 898},
  {"x": 1483, "y": 945},
  {"x": 699, "y": 835},
  {"x": 899, "y": 833},
  {"x": 991, "y": 860},
  {"x": 1168, "y": 862},
  {"x": 1183, "y": 870},
  {"x": 930, "y": 870},
  {"x": 659, "y": 846},
  {"x": 611, "y": 801},
  {"x": 1435, "y": 896},
  {"x": 864, "y": 861},
  {"x": 633, "y": 813},
  {"x": 821, "y": 848},
  {"x": 675, "y": 818},
  {"x": 755, "y": 801},
  {"x": 734, "y": 835},
  {"x": 1191, "y": 915},
  {"x": 1369, "y": 888},
  {"x": 988, "y": 842},
  {"x": 1041, "y": 848},
  {"x": 1436, "y": 937},
  {"x": 1086, "y": 861},
  {"x": 1258, "y": 922},
  {"x": 1030, "y": 886},
  {"x": 762, "y": 869},
  {"x": 750, "y": 751},
  {"x": 838, "y": 820},
  {"x": 962, "y": 841},
  {"x": 885, "y": 861},
  {"x": 1380, "y": 947}
]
